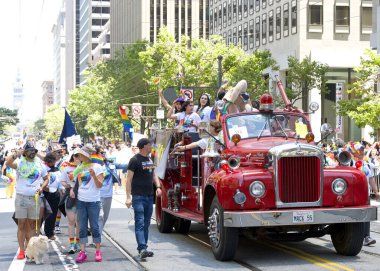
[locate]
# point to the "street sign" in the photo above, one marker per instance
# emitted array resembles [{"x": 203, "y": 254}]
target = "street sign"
[
  {"x": 136, "y": 110},
  {"x": 339, "y": 119},
  {"x": 188, "y": 94},
  {"x": 160, "y": 113}
]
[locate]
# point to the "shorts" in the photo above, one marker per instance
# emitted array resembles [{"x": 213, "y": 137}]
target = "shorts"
[
  {"x": 72, "y": 209},
  {"x": 25, "y": 207}
]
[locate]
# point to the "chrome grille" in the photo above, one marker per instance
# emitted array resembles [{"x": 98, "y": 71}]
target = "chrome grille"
[{"x": 299, "y": 179}]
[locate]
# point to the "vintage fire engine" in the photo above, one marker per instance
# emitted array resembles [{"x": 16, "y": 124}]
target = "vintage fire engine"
[{"x": 269, "y": 176}]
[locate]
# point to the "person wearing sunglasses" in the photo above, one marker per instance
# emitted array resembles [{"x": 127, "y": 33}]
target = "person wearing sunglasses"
[
  {"x": 89, "y": 177},
  {"x": 32, "y": 178}
]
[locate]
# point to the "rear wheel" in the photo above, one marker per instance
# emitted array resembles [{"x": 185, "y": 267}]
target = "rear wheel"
[
  {"x": 224, "y": 241},
  {"x": 182, "y": 225},
  {"x": 164, "y": 220},
  {"x": 348, "y": 238}
]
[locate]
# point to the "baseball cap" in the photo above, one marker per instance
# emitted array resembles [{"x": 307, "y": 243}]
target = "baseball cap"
[
  {"x": 142, "y": 142},
  {"x": 29, "y": 146}
]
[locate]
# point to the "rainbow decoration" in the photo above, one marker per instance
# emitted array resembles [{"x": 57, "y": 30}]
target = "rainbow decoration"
[
  {"x": 97, "y": 159},
  {"x": 126, "y": 122}
]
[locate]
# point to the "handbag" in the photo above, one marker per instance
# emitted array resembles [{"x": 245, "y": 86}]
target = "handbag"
[{"x": 71, "y": 202}]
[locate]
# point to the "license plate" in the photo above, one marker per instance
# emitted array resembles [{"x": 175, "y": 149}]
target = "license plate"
[{"x": 303, "y": 217}]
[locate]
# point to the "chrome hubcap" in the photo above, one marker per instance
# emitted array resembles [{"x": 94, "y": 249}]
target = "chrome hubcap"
[{"x": 214, "y": 227}]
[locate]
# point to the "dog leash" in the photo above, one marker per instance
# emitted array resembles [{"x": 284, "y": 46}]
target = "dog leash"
[{"x": 36, "y": 196}]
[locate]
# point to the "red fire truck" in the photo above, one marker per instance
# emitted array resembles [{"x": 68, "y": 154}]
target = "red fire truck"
[{"x": 265, "y": 174}]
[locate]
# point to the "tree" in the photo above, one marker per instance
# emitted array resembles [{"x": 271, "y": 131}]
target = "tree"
[
  {"x": 302, "y": 77},
  {"x": 180, "y": 64},
  {"x": 7, "y": 117},
  {"x": 364, "y": 105},
  {"x": 53, "y": 120},
  {"x": 39, "y": 128}
]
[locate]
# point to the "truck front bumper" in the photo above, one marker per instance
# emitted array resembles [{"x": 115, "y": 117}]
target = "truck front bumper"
[{"x": 295, "y": 217}]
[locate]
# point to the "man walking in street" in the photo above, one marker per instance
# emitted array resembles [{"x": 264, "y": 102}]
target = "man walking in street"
[{"x": 139, "y": 190}]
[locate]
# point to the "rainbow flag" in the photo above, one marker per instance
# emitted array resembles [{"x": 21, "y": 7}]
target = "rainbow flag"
[
  {"x": 97, "y": 159},
  {"x": 126, "y": 122}
]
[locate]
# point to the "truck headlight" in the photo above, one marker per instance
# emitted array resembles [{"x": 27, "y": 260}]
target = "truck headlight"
[
  {"x": 339, "y": 186},
  {"x": 257, "y": 189}
]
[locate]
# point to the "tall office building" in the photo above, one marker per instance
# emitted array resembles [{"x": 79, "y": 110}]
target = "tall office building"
[
  {"x": 334, "y": 32},
  {"x": 64, "y": 52},
  {"x": 141, "y": 20},
  {"x": 47, "y": 95},
  {"x": 93, "y": 16},
  {"x": 18, "y": 92}
]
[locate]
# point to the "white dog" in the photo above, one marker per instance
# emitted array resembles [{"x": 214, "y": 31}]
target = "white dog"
[{"x": 37, "y": 248}]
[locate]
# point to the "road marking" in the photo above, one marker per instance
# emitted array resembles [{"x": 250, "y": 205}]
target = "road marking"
[
  {"x": 67, "y": 262},
  {"x": 307, "y": 256},
  {"x": 17, "y": 265}
]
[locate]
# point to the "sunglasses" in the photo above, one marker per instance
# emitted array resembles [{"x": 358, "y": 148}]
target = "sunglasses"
[{"x": 103, "y": 152}]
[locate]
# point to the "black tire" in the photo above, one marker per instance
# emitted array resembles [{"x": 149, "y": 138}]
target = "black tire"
[
  {"x": 164, "y": 220},
  {"x": 182, "y": 225},
  {"x": 224, "y": 240},
  {"x": 348, "y": 238}
]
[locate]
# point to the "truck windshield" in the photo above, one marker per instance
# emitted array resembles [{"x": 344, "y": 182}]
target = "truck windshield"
[{"x": 267, "y": 125}]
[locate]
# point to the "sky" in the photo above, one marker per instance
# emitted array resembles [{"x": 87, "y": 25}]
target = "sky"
[{"x": 27, "y": 45}]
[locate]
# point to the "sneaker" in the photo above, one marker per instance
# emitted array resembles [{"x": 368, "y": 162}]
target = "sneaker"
[
  {"x": 82, "y": 257},
  {"x": 72, "y": 249},
  {"x": 368, "y": 241},
  {"x": 77, "y": 247},
  {"x": 57, "y": 229},
  {"x": 143, "y": 254},
  {"x": 148, "y": 253},
  {"x": 21, "y": 255},
  {"x": 98, "y": 256}
]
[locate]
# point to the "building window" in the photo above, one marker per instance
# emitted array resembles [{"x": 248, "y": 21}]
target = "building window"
[
  {"x": 234, "y": 35},
  {"x": 183, "y": 18},
  {"x": 151, "y": 34},
  {"x": 342, "y": 16},
  {"x": 278, "y": 23},
  {"x": 176, "y": 20},
  {"x": 225, "y": 14},
  {"x": 245, "y": 37},
  {"x": 257, "y": 5},
  {"x": 286, "y": 20},
  {"x": 270, "y": 26},
  {"x": 264, "y": 29},
  {"x": 189, "y": 21},
  {"x": 240, "y": 9},
  {"x": 234, "y": 8},
  {"x": 245, "y": 8},
  {"x": 220, "y": 17},
  {"x": 270, "y": 2},
  {"x": 264, "y": 3},
  {"x": 366, "y": 17},
  {"x": 215, "y": 20},
  {"x": 315, "y": 16},
  {"x": 229, "y": 39},
  {"x": 225, "y": 37},
  {"x": 240, "y": 35},
  {"x": 229, "y": 12},
  {"x": 294, "y": 16},
  {"x": 211, "y": 24},
  {"x": 251, "y": 33},
  {"x": 201, "y": 21},
  {"x": 251, "y": 6},
  {"x": 165, "y": 12},
  {"x": 257, "y": 32}
]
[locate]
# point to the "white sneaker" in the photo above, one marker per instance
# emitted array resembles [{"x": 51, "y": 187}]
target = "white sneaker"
[{"x": 57, "y": 229}]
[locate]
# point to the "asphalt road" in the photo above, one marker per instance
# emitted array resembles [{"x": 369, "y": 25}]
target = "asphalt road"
[{"x": 182, "y": 252}]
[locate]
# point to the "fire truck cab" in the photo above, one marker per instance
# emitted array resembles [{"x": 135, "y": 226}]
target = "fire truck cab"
[{"x": 263, "y": 174}]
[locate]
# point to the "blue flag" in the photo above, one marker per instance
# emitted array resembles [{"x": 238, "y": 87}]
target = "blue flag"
[{"x": 68, "y": 129}]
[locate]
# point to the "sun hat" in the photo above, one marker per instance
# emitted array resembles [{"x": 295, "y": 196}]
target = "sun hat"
[
  {"x": 85, "y": 151},
  {"x": 180, "y": 99}
]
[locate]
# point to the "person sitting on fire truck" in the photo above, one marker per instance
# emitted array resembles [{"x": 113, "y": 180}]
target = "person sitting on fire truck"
[{"x": 215, "y": 128}]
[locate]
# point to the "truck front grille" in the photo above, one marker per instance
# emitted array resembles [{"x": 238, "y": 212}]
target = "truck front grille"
[{"x": 298, "y": 179}]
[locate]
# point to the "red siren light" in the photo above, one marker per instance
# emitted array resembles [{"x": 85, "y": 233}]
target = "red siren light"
[
  {"x": 358, "y": 164},
  {"x": 266, "y": 102}
]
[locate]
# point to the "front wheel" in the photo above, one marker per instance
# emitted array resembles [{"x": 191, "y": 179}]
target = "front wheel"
[
  {"x": 224, "y": 241},
  {"x": 164, "y": 220},
  {"x": 348, "y": 238}
]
